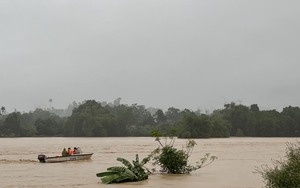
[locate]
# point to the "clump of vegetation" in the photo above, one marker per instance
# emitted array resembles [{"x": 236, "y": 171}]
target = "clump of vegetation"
[
  {"x": 170, "y": 159},
  {"x": 131, "y": 172},
  {"x": 175, "y": 161},
  {"x": 285, "y": 173}
]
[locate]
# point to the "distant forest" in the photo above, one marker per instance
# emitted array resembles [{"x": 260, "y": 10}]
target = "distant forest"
[{"x": 94, "y": 119}]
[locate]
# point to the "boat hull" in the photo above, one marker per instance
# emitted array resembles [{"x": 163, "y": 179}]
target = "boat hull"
[{"x": 75, "y": 157}]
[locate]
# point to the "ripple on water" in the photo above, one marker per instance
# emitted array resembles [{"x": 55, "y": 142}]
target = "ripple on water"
[{"x": 20, "y": 161}]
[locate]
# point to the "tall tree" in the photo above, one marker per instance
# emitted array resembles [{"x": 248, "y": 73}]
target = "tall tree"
[
  {"x": 12, "y": 124},
  {"x": 160, "y": 116}
]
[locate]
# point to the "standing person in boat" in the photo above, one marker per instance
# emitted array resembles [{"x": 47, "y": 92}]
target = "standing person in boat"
[{"x": 64, "y": 152}]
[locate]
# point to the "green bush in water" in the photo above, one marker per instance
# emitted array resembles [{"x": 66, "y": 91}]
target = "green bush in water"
[
  {"x": 285, "y": 173},
  {"x": 174, "y": 161},
  {"x": 131, "y": 172}
]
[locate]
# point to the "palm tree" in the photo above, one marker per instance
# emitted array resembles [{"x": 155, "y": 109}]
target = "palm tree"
[
  {"x": 50, "y": 101},
  {"x": 3, "y": 111}
]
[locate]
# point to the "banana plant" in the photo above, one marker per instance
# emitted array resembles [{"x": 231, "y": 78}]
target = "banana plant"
[{"x": 127, "y": 173}]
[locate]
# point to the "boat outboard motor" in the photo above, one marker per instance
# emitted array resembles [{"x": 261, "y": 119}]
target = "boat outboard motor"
[{"x": 42, "y": 158}]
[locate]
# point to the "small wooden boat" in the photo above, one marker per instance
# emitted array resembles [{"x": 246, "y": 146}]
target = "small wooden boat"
[{"x": 82, "y": 156}]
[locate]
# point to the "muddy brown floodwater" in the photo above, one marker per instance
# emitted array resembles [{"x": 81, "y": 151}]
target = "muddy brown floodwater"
[{"x": 234, "y": 168}]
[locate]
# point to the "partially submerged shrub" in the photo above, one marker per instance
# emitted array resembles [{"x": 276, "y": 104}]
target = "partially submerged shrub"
[
  {"x": 285, "y": 173},
  {"x": 131, "y": 172},
  {"x": 174, "y": 161},
  {"x": 171, "y": 160}
]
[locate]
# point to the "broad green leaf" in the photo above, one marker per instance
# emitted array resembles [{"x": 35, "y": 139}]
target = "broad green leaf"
[
  {"x": 125, "y": 162},
  {"x": 110, "y": 179},
  {"x": 116, "y": 169},
  {"x": 107, "y": 173}
]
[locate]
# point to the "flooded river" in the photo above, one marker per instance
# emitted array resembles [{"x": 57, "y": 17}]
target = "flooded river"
[{"x": 234, "y": 168}]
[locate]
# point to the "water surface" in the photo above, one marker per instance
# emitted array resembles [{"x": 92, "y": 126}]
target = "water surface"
[{"x": 234, "y": 168}]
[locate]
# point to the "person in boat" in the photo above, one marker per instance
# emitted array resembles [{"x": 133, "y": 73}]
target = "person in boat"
[
  {"x": 64, "y": 152},
  {"x": 76, "y": 150},
  {"x": 70, "y": 151}
]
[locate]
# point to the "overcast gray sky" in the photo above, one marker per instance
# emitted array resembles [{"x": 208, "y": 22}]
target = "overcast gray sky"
[{"x": 195, "y": 54}]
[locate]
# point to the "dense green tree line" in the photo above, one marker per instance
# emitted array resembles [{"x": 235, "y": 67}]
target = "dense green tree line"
[{"x": 94, "y": 119}]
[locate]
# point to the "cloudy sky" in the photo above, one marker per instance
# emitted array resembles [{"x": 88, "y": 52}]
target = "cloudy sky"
[{"x": 194, "y": 54}]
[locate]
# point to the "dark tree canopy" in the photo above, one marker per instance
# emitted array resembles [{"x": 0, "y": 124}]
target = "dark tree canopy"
[{"x": 94, "y": 119}]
